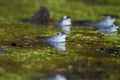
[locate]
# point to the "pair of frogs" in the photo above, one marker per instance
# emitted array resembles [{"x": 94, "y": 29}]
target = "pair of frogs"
[{"x": 104, "y": 25}]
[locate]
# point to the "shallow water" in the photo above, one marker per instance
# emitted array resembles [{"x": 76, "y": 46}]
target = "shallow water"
[
  {"x": 83, "y": 57},
  {"x": 87, "y": 54},
  {"x": 80, "y": 57}
]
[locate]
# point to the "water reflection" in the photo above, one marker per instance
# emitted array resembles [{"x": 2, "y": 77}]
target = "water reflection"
[
  {"x": 58, "y": 45},
  {"x": 109, "y": 29},
  {"x": 57, "y": 77},
  {"x": 65, "y": 28}
]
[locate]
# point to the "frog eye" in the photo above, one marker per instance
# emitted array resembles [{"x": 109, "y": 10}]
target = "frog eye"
[{"x": 59, "y": 33}]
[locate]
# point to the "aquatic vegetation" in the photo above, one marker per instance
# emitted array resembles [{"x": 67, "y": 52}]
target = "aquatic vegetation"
[{"x": 81, "y": 58}]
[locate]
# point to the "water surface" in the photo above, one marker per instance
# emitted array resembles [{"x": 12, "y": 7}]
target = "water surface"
[{"x": 87, "y": 54}]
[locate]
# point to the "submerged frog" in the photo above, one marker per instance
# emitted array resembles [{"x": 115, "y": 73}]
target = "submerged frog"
[{"x": 106, "y": 22}]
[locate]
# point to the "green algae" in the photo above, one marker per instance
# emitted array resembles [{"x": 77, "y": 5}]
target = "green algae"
[{"x": 80, "y": 61}]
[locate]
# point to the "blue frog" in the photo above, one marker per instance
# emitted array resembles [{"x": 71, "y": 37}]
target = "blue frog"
[
  {"x": 106, "y": 22},
  {"x": 59, "y": 37},
  {"x": 65, "y": 20}
]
